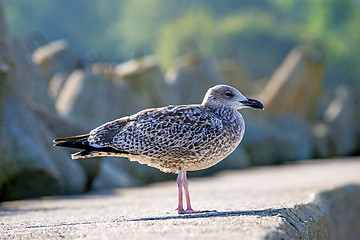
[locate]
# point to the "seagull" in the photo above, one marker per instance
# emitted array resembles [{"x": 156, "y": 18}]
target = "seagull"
[{"x": 175, "y": 138}]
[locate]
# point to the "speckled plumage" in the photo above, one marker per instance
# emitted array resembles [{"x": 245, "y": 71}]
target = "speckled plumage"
[{"x": 172, "y": 138}]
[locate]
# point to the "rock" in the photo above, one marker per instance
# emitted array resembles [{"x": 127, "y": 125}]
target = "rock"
[
  {"x": 275, "y": 140},
  {"x": 191, "y": 78},
  {"x": 338, "y": 130},
  {"x": 28, "y": 168},
  {"x": 27, "y": 82},
  {"x": 343, "y": 122},
  {"x": 90, "y": 99},
  {"x": 236, "y": 160},
  {"x": 90, "y": 166},
  {"x": 234, "y": 75},
  {"x": 323, "y": 145},
  {"x": 145, "y": 77},
  {"x": 55, "y": 58},
  {"x": 4, "y": 72},
  {"x": 295, "y": 87},
  {"x": 56, "y": 83},
  {"x": 53, "y": 122},
  {"x": 111, "y": 175}
]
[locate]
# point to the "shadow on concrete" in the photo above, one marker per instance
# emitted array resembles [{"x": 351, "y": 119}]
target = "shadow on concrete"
[
  {"x": 211, "y": 214},
  {"x": 5, "y": 211},
  {"x": 7, "y": 208}
]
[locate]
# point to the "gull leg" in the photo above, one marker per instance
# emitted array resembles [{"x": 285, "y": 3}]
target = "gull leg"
[
  {"x": 179, "y": 181},
  {"x": 187, "y": 195}
]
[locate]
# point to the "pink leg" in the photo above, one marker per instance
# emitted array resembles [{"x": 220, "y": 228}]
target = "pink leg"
[
  {"x": 179, "y": 181},
  {"x": 187, "y": 195},
  {"x": 184, "y": 183}
]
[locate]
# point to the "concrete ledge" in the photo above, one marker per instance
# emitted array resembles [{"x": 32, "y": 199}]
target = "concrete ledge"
[
  {"x": 307, "y": 200},
  {"x": 334, "y": 214}
]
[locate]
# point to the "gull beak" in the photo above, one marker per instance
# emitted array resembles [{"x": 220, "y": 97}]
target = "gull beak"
[{"x": 252, "y": 103}]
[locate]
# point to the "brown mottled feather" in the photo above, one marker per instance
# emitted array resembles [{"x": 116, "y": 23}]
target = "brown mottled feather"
[{"x": 172, "y": 137}]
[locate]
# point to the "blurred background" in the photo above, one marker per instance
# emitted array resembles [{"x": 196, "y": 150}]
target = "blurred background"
[{"x": 68, "y": 66}]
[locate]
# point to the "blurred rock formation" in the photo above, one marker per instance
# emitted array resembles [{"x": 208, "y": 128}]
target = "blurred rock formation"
[
  {"x": 190, "y": 78},
  {"x": 296, "y": 86},
  {"x": 56, "y": 61},
  {"x": 342, "y": 120},
  {"x": 146, "y": 79},
  {"x": 234, "y": 75},
  {"x": 276, "y": 140},
  {"x": 29, "y": 166},
  {"x": 90, "y": 98}
]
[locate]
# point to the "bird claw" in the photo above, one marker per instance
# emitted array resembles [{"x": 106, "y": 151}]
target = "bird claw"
[{"x": 191, "y": 211}]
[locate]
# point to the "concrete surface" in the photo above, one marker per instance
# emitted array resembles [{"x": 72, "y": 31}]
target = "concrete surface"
[{"x": 307, "y": 200}]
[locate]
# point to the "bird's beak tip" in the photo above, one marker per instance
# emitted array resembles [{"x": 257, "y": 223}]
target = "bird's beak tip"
[{"x": 253, "y": 103}]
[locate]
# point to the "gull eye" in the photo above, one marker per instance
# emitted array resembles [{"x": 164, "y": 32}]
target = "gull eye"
[{"x": 229, "y": 94}]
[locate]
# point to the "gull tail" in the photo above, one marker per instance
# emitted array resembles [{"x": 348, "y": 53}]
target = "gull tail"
[{"x": 81, "y": 142}]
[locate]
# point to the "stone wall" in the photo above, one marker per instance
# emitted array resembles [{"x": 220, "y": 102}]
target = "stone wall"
[{"x": 333, "y": 214}]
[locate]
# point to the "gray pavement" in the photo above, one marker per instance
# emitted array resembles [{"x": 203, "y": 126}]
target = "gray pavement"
[{"x": 251, "y": 204}]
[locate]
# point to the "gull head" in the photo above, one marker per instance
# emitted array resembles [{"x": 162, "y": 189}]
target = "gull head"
[{"x": 224, "y": 95}]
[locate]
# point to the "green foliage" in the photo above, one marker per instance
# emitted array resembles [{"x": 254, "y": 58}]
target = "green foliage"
[
  {"x": 137, "y": 24},
  {"x": 82, "y": 23},
  {"x": 250, "y": 37},
  {"x": 195, "y": 31},
  {"x": 334, "y": 26},
  {"x": 261, "y": 38},
  {"x": 257, "y": 33}
]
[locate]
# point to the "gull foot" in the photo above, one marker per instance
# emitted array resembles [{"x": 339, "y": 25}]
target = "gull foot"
[{"x": 191, "y": 211}]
